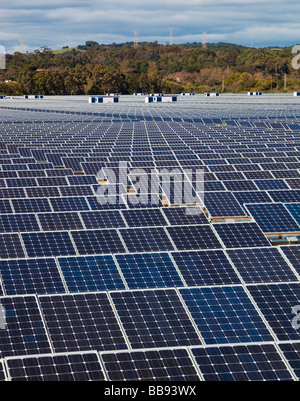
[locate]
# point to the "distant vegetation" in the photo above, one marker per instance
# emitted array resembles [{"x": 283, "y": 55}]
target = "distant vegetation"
[{"x": 96, "y": 69}]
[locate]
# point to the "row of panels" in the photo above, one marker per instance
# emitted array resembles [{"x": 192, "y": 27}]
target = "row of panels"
[
  {"x": 257, "y": 362},
  {"x": 149, "y": 270},
  {"x": 142, "y": 319}
]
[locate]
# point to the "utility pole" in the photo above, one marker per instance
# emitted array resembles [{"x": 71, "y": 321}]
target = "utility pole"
[
  {"x": 136, "y": 43},
  {"x": 171, "y": 36},
  {"x": 22, "y": 45},
  {"x": 204, "y": 44}
]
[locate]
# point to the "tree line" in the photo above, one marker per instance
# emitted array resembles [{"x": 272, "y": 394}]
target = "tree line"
[{"x": 151, "y": 67}]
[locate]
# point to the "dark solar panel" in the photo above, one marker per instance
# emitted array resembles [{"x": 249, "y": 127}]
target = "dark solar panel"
[
  {"x": 11, "y": 246},
  {"x": 144, "y": 218},
  {"x": 45, "y": 244},
  {"x": 241, "y": 235},
  {"x": 159, "y": 365},
  {"x": 291, "y": 354},
  {"x": 154, "y": 319},
  {"x": 205, "y": 268},
  {"x": 265, "y": 265},
  {"x": 60, "y": 221},
  {"x": 225, "y": 315},
  {"x": 82, "y": 322},
  {"x": 60, "y": 367},
  {"x": 24, "y": 333},
  {"x": 91, "y": 273},
  {"x": 149, "y": 270},
  {"x": 93, "y": 242},
  {"x": 69, "y": 204},
  {"x": 242, "y": 363},
  {"x": 102, "y": 219},
  {"x": 222, "y": 204},
  {"x": 31, "y": 205},
  {"x": 282, "y": 298},
  {"x": 194, "y": 237},
  {"x": 146, "y": 239},
  {"x": 10, "y": 223},
  {"x": 185, "y": 216}
]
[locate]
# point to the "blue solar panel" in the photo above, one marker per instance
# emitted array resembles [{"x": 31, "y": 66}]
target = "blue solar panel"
[
  {"x": 276, "y": 302},
  {"x": 93, "y": 242},
  {"x": 144, "y": 218},
  {"x": 294, "y": 209},
  {"x": 146, "y": 239},
  {"x": 70, "y": 204},
  {"x": 60, "y": 367},
  {"x": 25, "y": 332},
  {"x": 102, "y": 219},
  {"x": 159, "y": 365},
  {"x": 31, "y": 205},
  {"x": 205, "y": 268},
  {"x": 222, "y": 204},
  {"x": 31, "y": 276},
  {"x": 291, "y": 354},
  {"x": 82, "y": 322},
  {"x": 149, "y": 270},
  {"x": 273, "y": 218},
  {"x": 225, "y": 315},
  {"x": 90, "y": 274},
  {"x": 45, "y": 244},
  {"x": 194, "y": 237},
  {"x": 154, "y": 319},
  {"x": 11, "y": 247},
  {"x": 265, "y": 265},
  {"x": 242, "y": 363}
]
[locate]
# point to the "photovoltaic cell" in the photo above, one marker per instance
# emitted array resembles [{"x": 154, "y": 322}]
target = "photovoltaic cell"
[
  {"x": 241, "y": 235},
  {"x": 205, "y": 268},
  {"x": 25, "y": 333},
  {"x": 242, "y": 363},
  {"x": 194, "y": 237},
  {"x": 69, "y": 204},
  {"x": 154, "y": 319},
  {"x": 10, "y": 223},
  {"x": 273, "y": 218},
  {"x": 102, "y": 219},
  {"x": 265, "y": 265},
  {"x": 225, "y": 315},
  {"x": 149, "y": 270},
  {"x": 60, "y": 221},
  {"x": 91, "y": 274},
  {"x": 60, "y": 367},
  {"x": 144, "y": 218},
  {"x": 11, "y": 247},
  {"x": 82, "y": 322},
  {"x": 291, "y": 353},
  {"x": 179, "y": 216},
  {"x": 146, "y": 239},
  {"x": 31, "y": 205},
  {"x": 31, "y": 276},
  {"x": 159, "y": 365},
  {"x": 45, "y": 244},
  {"x": 222, "y": 204},
  {"x": 293, "y": 255},
  {"x": 93, "y": 242},
  {"x": 294, "y": 209},
  {"x": 282, "y": 298}
]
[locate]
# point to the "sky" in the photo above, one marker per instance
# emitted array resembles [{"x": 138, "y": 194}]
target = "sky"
[{"x": 58, "y": 23}]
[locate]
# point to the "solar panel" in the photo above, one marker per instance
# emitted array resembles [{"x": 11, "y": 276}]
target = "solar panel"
[
  {"x": 45, "y": 244},
  {"x": 194, "y": 237},
  {"x": 69, "y": 204},
  {"x": 65, "y": 367},
  {"x": 30, "y": 276},
  {"x": 241, "y": 235},
  {"x": 283, "y": 298},
  {"x": 31, "y": 205},
  {"x": 294, "y": 209},
  {"x": 93, "y": 242},
  {"x": 291, "y": 353},
  {"x": 159, "y": 365},
  {"x": 267, "y": 185},
  {"x": 259, "y": 362},
  {"x": 5, "y": 206},
  {"x": 100, "y": 219},
  {"x": 152, "y": 239},
  {"x": 273, "y": 218},
  {"x": 144, "y": 218},
  {"x": 2, "y": 372},
  {"x": 285, "y": 196},
  {"x": 292, "y": 253},
  {"x": 41, "y": 192},
  {"x": 225, "y": 315},
  {"x": 222, "y": 204},
  {"x": 78, "y": 190},
  {"x": 154, "y": 319},
  {"x": 185, "y": 216},
  {"x": 149, "y": 270},
  {"x": 25, "y": 332},
  {"x": 205, "y": 268},
  {"x": 11, "y": 247},
  {"x": 82, "y": 322},
  {"x": 265, "y": 265},
  {"x": 10, "y": 223},
  {"x": 252, "y": 197},
  {"x": 90, "y": 274}
]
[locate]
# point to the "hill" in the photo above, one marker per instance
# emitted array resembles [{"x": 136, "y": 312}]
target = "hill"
[{"x": 98, "y": 68}]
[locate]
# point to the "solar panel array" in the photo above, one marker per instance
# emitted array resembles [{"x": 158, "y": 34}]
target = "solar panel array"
[{"x": 185, "y": 265}]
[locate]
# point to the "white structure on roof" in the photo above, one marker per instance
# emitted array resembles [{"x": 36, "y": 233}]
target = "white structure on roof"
[
  {"x": 33, "y": 97},
  {"x": 296, "y": 93},
  {"x": 187, "y": 94},
  {"x": 139, "y": 94},
  {"x": 156, "y": 94},
  {"x": 104, "y": 99},
  {"x": 214, "y": 94},
  {"x": 112, "y": 94},
  {"x": 258, "y": 93},
  {"x": 160, "y": 99},
  {"x": 2, "y": 96}
]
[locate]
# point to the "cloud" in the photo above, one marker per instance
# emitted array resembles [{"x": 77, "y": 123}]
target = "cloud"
[{"x": 72, "y": 22}]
